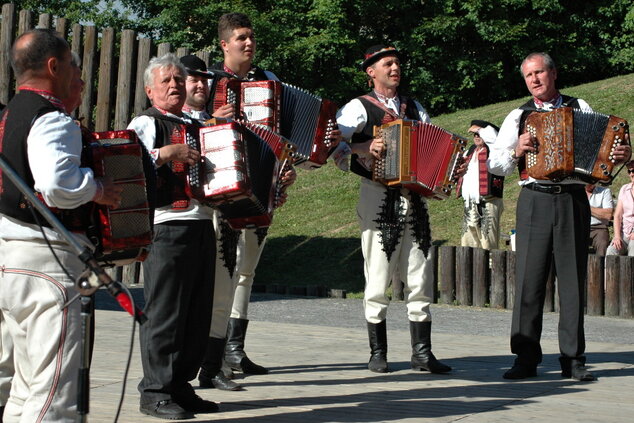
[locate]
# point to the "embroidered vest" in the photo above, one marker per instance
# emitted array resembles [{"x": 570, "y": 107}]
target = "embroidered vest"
[{"x": 489, "y": 184}]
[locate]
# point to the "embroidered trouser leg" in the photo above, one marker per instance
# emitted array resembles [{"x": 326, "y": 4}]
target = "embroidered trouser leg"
[
  {"x": 415, "y": 269},
  {"x": 250, "y": 249},
  {"x": 46, "y": 336}
]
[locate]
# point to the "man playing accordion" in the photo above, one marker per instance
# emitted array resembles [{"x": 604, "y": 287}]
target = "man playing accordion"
[
  {"x": 395, "y": 231},
  {"x": 553, "y": 226}
]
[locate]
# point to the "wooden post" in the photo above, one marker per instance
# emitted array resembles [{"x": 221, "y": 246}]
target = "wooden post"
[
  {"x": 594, "y": 294},
  {"x": 61, "y": 25},
  {"x": 104, "y": 89},
  {"x": 75, "y": 44},
  {"x": 25, "y": 21},
  {"x": 550, "y": 290},
  {"x": 182, "y": 51},
  {"x": 163, "y": 49},
  {"x": 480, "y": 277},
  {"x": 88, "y": 75},
  {"x": 143, "y": 58},
  {"x": 626, "y": 284},
  {"x": 464, "y": 275},
  {"x": 204, "y": 55},
  {"x": 124, "y": 81},
  {"x": 44, "y": 21},
  {"x": 611, "y": 286},
  {"x": 6, "y": 40},
  {"x": 447, "y": 277},
  {"x": 498, "y": 278},
  {"x": 510, "y": 279},
  {"x": 433, "y": 256}
]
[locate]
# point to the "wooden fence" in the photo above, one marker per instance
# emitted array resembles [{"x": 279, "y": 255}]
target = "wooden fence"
[{"x": 112, "y": 65}]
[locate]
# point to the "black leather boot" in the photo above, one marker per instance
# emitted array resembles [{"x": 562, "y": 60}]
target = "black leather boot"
[
  {"x": 377, "y": 334},
  {"x": 210, "y": 375},
  {"x": 422, "y": 357},
  {"x": 235, "y": 357}
]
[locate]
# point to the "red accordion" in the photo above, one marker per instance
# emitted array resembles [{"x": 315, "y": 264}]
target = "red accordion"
[
  {"x": 303, "y": 118},
  {"x": 419, "y": 156},
  {"x": 241, "y": 174},
  {"x": 122, "y": 235}
]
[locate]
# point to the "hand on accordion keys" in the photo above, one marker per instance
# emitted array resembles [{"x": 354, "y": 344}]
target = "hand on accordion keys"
[
  {"x": 526, "y": 142},
  {"x": 178, "y": 153},
  {"x": 108, "y": 193},
  {"x": 623, "y": 153},
  {"x": 225, "y": 111}
]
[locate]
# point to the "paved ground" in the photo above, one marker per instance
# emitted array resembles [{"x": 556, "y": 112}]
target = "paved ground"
[{"x": 317, "y": 351}]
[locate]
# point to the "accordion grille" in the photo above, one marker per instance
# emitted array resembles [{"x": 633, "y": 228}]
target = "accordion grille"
[
  {"x": 589, "y": 128},
  {"x": 299, "y": 116}
]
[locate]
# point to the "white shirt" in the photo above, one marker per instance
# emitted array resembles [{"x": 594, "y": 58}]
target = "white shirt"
[
  {"x": 500, "y": 161},
  {"x": 54, "y": 154},
  {"x": 146, "y": 131},
  {"x": 470, "y": 190},
  {"x": 601, "y": 198}
]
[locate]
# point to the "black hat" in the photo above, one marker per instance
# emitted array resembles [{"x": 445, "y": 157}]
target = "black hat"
[
  {"x": 377, "y": 52},
  {"x": 482, "y": 124},
  {"x": 196, "y": 66}
]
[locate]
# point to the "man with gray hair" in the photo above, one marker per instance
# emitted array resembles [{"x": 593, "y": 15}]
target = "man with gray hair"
[
  {"x": 179, "y": 271},
  {"x": 40, "y": 141}
]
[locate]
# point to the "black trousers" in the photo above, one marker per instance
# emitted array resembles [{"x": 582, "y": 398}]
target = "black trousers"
[
  {"x": 551, "y": 228},
  {"x": 178, "y": 287}
]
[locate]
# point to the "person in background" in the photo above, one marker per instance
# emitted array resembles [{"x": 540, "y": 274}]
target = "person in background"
[
  {"x": 481, "y": 191},
  {"x": 601, "y": 208},
  {"x": 623, "y": 241}
]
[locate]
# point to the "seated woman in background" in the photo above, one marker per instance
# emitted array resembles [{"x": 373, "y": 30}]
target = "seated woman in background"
[{"x": 623, "y": 241}]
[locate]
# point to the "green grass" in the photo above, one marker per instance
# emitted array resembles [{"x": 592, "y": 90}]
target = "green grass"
[{"x": 315, "y": 239}]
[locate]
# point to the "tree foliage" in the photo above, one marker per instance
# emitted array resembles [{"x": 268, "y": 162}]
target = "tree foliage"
[{"x": 460, "y": 53}]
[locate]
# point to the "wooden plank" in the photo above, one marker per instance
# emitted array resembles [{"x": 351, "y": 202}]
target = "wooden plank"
[
  {"x": 6, "y": 40},
  {"x": 204, "y": 56},
  {"x": 611, "y": 286},
  {"x": 510, "y": 279},
  {"x": 433, "y": 256},
  {"x": 498, "y": 278},
  {"x": 124, "y": 81},
  {"x": 447, "y": 277},
  {"x": 88, "y": 75},
  {"x": 464, "y": 275},
  {"x": 61, "y": 26},
  {"x": 143, "y": 57},
  {"x": 626, "y": 281},
  {"x": 480, "y": 277},
  {"x": 163, "y": 49},
  {"x": 104, "y": 87},
  {"x": 594, "y": 296},
  {"x": 44, "y": 20},
  {"x": 25, "y": 22},
  {"x": 182, "y": 51},
  {"x": 75, "y": 43}
]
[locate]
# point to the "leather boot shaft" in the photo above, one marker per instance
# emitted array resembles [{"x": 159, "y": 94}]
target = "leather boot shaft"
[
  {"x": 377, "y": 336},
  {"x": 422, "y": 357}
]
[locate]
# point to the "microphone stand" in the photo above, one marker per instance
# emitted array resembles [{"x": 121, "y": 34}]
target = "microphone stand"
[{"x": 86, "y": 285}]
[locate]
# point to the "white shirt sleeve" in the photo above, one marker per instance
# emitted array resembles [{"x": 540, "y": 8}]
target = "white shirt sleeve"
[
  {"x": 146, "y": 131},
  {"x": 54, "y": 153},
  {"x": 351, "y": 118},
  {"x": 500, "y": 161},
  {"x": 607, "y": 202}
]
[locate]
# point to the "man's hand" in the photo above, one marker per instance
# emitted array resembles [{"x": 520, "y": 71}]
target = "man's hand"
[
  {"x": 178, "y": 153},
  {"x": 623, "y": 153},
  {"x": 335, "y": 138},
  {"x": 461, "y": 168},
  {"x": 377, "y": 147},
  {"x": 288, "y": 177},
  {"x": 108, "y": 193},
  {"x": 224, "y": 112},
  {"x": 524, "y": 144}
]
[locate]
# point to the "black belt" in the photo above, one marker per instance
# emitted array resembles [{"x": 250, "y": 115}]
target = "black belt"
[{"x": 553, "y": 188}]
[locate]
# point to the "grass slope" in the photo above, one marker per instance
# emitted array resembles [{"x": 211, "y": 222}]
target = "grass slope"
[{"x": 315, "y": 239}]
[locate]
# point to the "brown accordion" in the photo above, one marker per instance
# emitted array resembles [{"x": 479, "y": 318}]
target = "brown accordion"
[
  {"x": 303, "y": 118},
  {"x": 573, "y": 142},
  {"x": 122, "y": 235},
  {"x": 419, "y": 156},
  {"x": 241, "y": 174}
]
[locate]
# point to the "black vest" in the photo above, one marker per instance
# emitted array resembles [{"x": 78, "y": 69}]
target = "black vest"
[
  {"x": 376, "y": 116},
  {"x": 15, "y": 124},
  {"x": 170, "y": 185}
]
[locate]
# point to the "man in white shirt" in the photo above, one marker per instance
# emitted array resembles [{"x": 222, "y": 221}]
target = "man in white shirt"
[
  {"x": 601, "y": 209},
  {"x": 553, "y": 224},
  {"x": 42, "y": 143},
  {"x": 179, "y": 270},
  {"x": 395, "y": 231}
]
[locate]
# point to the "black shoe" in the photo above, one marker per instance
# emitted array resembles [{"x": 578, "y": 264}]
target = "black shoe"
[
  {"x": 520, "y": 371},
  {"x": 166, "y": 409},
  {"x": 196, "y": 404},
  {"x": 427, "y": 361},
  {"x": 378, "y": 363},
  {"x": 226, "y": 370},
  {"x": 579, "y": 372},
  {"x": 220, "y": 381}
]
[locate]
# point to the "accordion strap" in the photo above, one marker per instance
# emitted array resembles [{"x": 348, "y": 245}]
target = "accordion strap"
[{"x": 387, "y": 110}]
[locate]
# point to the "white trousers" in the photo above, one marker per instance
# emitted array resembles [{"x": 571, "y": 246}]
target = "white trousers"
[
  {"x": 482, "y": 230},
  {"x": 415, "y": 269},
  {"x": 249, "y": 253},
  {"x": 6, "y": 361},
  {"x": 45, "y": 335},
  {"x": 627, "y": 250}
]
